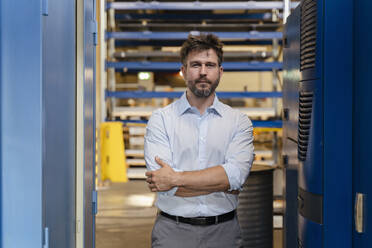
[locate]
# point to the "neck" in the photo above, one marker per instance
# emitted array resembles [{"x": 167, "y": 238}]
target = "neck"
[{"x": 201, "y": 103}]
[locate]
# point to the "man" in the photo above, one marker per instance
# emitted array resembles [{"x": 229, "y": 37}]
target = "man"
[{"x": 198, "y": 153}]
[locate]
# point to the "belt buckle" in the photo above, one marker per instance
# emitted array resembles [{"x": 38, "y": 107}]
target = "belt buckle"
[{"x": 202, "y": 220}]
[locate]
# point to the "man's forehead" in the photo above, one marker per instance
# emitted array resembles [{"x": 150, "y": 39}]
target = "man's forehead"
[{"x": 209, "y": 54}]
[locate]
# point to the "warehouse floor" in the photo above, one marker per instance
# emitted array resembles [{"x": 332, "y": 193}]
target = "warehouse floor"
[{"x": 126, "y": 214}]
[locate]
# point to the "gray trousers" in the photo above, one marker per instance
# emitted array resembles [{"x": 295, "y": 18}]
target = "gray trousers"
[{"x": 168, "y": 233}]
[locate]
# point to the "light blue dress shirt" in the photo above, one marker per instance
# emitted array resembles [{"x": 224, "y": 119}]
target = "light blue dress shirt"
[{"x": 188, "y": 141}]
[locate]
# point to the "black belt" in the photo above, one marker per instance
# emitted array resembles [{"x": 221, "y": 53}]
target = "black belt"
[{"x": 202, "y": 221}]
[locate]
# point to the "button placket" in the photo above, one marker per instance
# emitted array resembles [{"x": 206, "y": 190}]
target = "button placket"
[{"x": 202, "y": 140}]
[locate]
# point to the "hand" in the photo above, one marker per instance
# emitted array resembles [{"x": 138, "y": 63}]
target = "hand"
[{"x": 162, "y": 179}]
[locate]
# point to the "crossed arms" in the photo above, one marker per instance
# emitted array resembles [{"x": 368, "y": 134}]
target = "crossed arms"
[
  {"x": 227, "y": 177},
  {"x": 189, "y": 183}
]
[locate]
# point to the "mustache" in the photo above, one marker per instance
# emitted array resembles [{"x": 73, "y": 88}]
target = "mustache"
[{"x": 203, "y": 79}]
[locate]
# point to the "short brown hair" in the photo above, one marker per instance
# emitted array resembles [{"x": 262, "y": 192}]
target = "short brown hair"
[{"x": 200, "y": 43}]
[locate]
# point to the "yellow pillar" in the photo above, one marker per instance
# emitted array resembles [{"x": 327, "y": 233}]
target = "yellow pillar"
[{"x": 113, "y": 163}]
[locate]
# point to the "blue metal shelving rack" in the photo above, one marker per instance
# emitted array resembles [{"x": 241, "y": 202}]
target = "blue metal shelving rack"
[
  {"x": 124, "y": 30},
  {"x": 119, "y": 38}
]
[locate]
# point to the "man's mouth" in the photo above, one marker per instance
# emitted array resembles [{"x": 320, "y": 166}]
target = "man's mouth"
[{"x": 202, "y": 81}]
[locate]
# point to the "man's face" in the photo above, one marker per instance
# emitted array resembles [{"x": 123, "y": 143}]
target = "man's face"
[{"x": 202, "y": 72}]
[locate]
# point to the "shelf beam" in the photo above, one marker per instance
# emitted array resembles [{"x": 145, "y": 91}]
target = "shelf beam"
[
  {"x": 178, "y": 94},
  {"x": 256, "y": 124},
  {"x": 148, "y": 35},
  {"x": 123, "y": 43},
  {"x": 175, "y": 66},
  {"x": 135, "y": 111},
  {"x": 155, "y": 5},
  {"x": 176, "y": 55},
  {"x": 181, "y": 26},
  {"x": 195, "y": 16}
]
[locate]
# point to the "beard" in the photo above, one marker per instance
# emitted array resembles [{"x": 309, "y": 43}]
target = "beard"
[{"x": 205, "y": 91}]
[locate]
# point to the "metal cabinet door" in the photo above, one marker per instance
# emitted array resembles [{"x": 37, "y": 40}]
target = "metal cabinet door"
[
  {"x": 59, "y": 99},
  {"x": 362, "y": 136},
  {"x": 21, "y": 124}
]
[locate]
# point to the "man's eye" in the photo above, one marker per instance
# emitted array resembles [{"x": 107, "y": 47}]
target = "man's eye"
[
  {"x": 195, "y": 65},
  {"x": 211, "y": 65}
]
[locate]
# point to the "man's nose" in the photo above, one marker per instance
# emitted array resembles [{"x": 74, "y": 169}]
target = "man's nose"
[{"x": 203, "y": 70}]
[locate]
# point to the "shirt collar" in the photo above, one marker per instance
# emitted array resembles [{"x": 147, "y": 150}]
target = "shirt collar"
[{"x": 184, "y": 105}]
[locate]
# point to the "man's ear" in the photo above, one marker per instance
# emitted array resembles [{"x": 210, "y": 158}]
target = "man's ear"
[
  {"x": 183, "y": 70},
  {"x": 221, "y": 71}
]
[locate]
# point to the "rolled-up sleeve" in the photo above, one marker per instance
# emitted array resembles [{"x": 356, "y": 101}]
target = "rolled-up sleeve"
[
  {"x": 157, "y": 144},
  {"x": 239, "y": 155}
]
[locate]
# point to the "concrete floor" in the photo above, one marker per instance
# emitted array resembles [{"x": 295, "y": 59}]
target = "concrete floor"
[{"x": 126, "y": 214}]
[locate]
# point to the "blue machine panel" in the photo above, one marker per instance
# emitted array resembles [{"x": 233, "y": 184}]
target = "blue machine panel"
[
  {"x": 338, "y": 102},
  {"x": 362, "y": 136},
  {"x": 311, "y": 32},
  {"x": 310, "y": 127},
  {"x": 291, "y": 79},
  {"x": 324, "y": 100},
  {"x": 311, "y": 234},
  {"x": 310, "y": 98},
  {"x": 310, "y": 136}
]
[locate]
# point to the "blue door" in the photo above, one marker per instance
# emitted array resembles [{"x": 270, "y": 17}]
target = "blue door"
[
  {"x": 362, "y": 135},
  {"x": 21, "y": 124},
  {"x": 59, "y": 93},
  {"x": 38, "y": 121}
]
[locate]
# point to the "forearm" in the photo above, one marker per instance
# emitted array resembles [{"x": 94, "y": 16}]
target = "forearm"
[
  {"x": 192, "y": 183},
  {"x": 184, "y": 192},
  {"x": 213, "y": 179}
]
